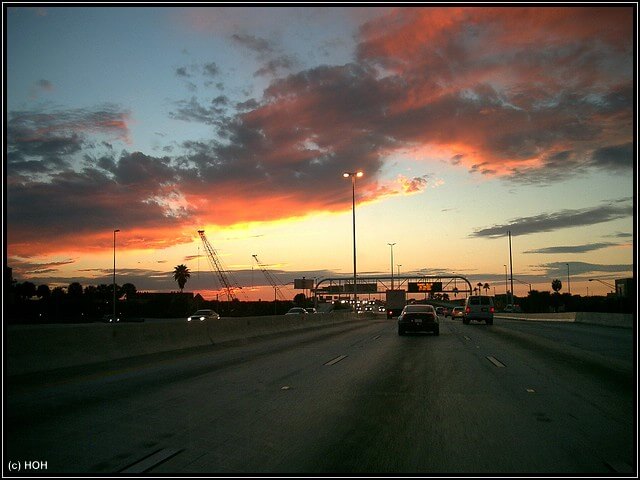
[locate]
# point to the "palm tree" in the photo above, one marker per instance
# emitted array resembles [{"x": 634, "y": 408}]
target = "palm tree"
[
  {"x": 486, "y": 287},
  {"x": 181, "y": 275}
]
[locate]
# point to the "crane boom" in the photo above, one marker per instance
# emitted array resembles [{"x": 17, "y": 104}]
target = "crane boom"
[
  {"x": 217, "y": 266},
  {"x": 270, "y": 278}
]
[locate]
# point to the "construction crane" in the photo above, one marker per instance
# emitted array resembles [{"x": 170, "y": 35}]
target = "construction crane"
[
  {"x": 217, "y": 266},
  {"x": 271, "y": 279}
]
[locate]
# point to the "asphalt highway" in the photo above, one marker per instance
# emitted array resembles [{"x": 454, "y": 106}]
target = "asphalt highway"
[{"x": 355, "y": 399}]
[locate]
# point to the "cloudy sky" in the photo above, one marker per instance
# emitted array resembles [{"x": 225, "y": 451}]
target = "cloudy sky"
[{"x": 467, "y": 122}]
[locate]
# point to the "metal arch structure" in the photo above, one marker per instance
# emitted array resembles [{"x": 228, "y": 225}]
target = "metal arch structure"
[
  {"x": 449, "y": 282},
  {"x": 217, "y": 266}
]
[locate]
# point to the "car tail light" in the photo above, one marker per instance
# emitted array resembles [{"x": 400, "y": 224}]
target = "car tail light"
[
  {"x": 468, "y": 310},
  {"x": 492, "y": 309}
]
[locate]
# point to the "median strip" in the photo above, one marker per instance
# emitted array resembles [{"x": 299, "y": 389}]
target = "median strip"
[{"x": 336, "y": 360}]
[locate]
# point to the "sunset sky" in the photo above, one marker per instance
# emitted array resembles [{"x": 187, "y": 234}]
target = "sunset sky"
[{"x": 467, "y": 122}]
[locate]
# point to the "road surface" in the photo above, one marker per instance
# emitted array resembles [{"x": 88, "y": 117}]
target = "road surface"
[{"x": 512, "y": 398}]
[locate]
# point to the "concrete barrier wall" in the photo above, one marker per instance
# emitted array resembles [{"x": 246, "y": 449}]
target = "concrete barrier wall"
[
  {"x": 563, "y": 316},
  {"x": 36, "y": 348},
  {"x": 625, "y": 320}
]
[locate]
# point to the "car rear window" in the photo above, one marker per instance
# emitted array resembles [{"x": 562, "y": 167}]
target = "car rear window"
[
  {"x": 480, "y": 300},
  {"x": 419, "y": 308}
]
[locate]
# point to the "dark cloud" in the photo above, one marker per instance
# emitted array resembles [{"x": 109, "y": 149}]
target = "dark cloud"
[
  {"x": 574, "y": 248},
  {"x": 193, "y": 111},
  {"x": 548, "y": 222},
  {"x": 559, "y": 269},
  {"x": 258, "y": 45},
  {"x": 139, "y": 169},
  {"x": 283, "y": 62},
  {"x": 614, "y": 158},
  {"x": 25, "y": 268},
  {"x": 247, "y": 105},
  {"x": 620, "y": 235},
  {"x": 182, "y": 72},
  {"x": 42, "y": 142},
  {"x": 211, "y": 69},
  {"x": 134, "y": 193}
]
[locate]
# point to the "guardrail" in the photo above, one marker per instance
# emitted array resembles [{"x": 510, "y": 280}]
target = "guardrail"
[{"x": 37, "y": 348}]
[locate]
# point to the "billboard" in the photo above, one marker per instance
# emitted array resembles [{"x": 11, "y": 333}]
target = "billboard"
[
  {"x": 303, "y": 284},
  {"x": 420, "y": 287}
]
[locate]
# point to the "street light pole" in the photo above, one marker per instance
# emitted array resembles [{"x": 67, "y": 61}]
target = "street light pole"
[
  {"x": 568, "y": 280},
  {"x": 511, "y": 267},
  {"x": 399, "y": 271},
  {"x": 114, "y": 275},
  {"x": 506, "y": 285},
  {"x": 391, "y": 245},
  {"x": 353, "y": 176},
  {"x": 611, "y": 286}
]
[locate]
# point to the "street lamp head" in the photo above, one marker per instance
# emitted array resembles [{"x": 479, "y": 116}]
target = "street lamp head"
[
  {"x": 359, "y": 174},
  {"x": 346, "y": 175},
  {"x": 117, "y": 230},
  {"x": 352, "y": 174}
]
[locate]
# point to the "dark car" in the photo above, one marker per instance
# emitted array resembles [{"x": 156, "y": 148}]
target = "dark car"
[
  {"x": 296, "y": 311},
  {"x": 120, "y": 318},
  {"x": 109, "y": 318},
  {"x": 418, "y": 318},
  {"x": 202, "y": 315}
]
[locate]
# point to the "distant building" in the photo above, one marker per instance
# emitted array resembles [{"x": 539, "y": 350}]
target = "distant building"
[{"x": 625, "y": 287}]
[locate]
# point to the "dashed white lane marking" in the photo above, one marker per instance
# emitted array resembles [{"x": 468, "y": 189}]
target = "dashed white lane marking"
[
  {"x": 336, "y": 360},
  {"x": 619, "y": 467},
  {"x": 496, "y": 362},
  {"x": 152, "y": 460}
]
